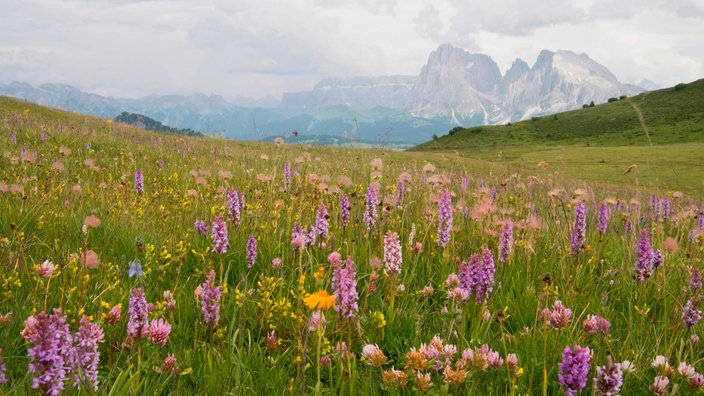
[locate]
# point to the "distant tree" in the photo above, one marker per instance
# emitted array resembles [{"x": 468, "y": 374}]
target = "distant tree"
[
  {"x": 456, "y": 129},
  {"x": 622, "y": 97},
  {"x": 612, "y": 100},
  {"x": 591, "y": 104},
  {"x": 680, "y": 86}
]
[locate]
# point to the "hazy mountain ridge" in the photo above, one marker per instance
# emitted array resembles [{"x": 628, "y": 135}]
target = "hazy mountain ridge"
[{"x": 453, "y": 88}]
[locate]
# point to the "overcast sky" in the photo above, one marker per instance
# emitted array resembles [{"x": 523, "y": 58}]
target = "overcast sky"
[{"x": 133, "y": 48}]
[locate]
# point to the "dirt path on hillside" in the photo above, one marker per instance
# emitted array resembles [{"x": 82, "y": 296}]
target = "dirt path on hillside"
[{"x": 640, "y": 118}]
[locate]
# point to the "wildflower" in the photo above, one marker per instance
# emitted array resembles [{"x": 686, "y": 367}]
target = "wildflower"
[
  {"x": 345, "y": 210},
  {"x": 276, "y": 262},
  {"x": 696, "y": 381},
  {"x": 579, "y": 229},
  {"x": 271, "y": 342},
  {"x": 670, "y": 244},
  {"x": 251, "y": 250},
  {"x": 86, "y": 355},
  {"x": 45, "y": 269},
  {"x": 629, "y": 226},
  {"x": 660, "y": 363},
  {"x": 485, "y": 281},
  {"x": 609, "y": 378},
  {"x": 627, "y": 367},
  {"x": 659, "y": 385},
  {"x": 159, "y": 331},
  {"x": 393, "y": 378},
  {"x": 657, "y": 258},
  {"x": 506, "y": 243},
  {"x": 91, "y": 259},
  {"x": 644, "y": 264},
  {"x": 114, "y": 315},
  {"x": 320, "y": 300},
  {"x": 469, "y": 273},
  {"x": 50, "y": 357},
  {"x": 170, "y": 364},
  {"x": 392, "y": 254},
  {"x": 512, "y": 363},
  {"x": 298, "y": 239},
  {"x": 210, "y": 301},
  {"x": 454, "y": 377},
  {"x": 287, "y": 176},
  {"x": 559, "y": 316},
  {"x": 310, "y": 236},
  {"x": 690, "y": 315},
  {"x": 423, "y": 382},
  {"x": 91, "y": 222},
  {"x": 317, "y": 321},
  {"x": 321, "y": 221},
  {"x": 139, "y": 182},
  {"x": 400, "y": 189},
  {"x": 220, "y": 240},
  {"x": 344, "y": 284},
  {"x": 135, "y": 269},
  {"x": 137, "y": 326},
  {"x": 695, "y": 279},
  {"x": 686, "y": 370},
  {"x": 444, "y": 219},
  {"x": 603, "y": 221},
  {"x": 595, "y": 324},
  {"x": 235, "y": 202},
  {"x": 574, "y": 369},
  {"x": 170, "y": 301},
  {"x": 371, "y": 202},
  {"x": 373, "y": 355},
  {"x": 201, "y": 227},
  {"x": 416, "y": 360},
  {"x": 3, "y": 369}
]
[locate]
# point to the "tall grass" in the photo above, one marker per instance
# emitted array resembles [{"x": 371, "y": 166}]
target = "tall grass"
[{"x": 58, "y": 169}]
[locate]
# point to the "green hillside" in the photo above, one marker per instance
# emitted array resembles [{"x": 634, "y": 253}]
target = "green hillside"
[
  {"x": 671, "y": 115},
  {"x": 143, "y": 122},
  {"x": 606, "y": 143}
]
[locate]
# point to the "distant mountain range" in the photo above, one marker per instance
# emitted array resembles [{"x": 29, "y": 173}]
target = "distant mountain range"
[{"x": 454, "y": 88}]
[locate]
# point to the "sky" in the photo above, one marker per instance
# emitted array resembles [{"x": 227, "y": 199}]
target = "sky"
[{"x": 234, "y": 48}]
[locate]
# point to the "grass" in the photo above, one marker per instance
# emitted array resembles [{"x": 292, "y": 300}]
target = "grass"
[
  {"x": 59, "y": 168},
  {"x": 598, "y": 144}
]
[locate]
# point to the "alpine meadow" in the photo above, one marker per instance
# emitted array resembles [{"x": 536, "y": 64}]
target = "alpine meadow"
[{"x": 557, "y": 255}]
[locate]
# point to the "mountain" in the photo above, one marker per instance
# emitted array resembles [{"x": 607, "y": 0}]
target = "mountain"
[
  {"x": 454, "y": 88},
  {"x": 146, "y": 123}
]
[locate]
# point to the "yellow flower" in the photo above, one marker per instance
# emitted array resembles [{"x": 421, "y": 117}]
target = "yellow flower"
[{"x": 320, "y": 300}]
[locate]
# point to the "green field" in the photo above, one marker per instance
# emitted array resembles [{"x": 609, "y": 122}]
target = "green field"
[{"x": 423, "y": 304}]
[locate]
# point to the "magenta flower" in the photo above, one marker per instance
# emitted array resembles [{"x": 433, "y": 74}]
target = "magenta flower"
[
  {"x": 210, "y": 301},
  {"x": 506, "y": 242},
  {"x": 603, "y": 222},
  {"x": 392, "y": 254},
  {"x": 220, "y": 239},
  {"x": 138, "y": 324},
  {"x": 201, "y": 227},
  {"x": 609, "y": 379},
  {"x": 3, "y": 369},
  {"x": 400, "y": 191},
  {"x": 574, "y": 369},
  {"x": 444, "y": 219},
  {"x": 86, "y": 355},
  {"x": 52, "y": 353},
  {"x": 139, "y": 182},
  {"x": 159, "y": 331},
  {"x": 485, "y": 280},
  {"x": 644, "y": 264},
  {"x": 578, "y": 237},
  {"x": 695, "y": 280},
  {"x": 235, "y": 202},
  {"x": 690, "y": 314},
  {"x": 251, "y": 250},
  {"x": 371, "y": 202},
  {"x": 344, "y": 284},
  {"x": 321, "y": 221},
  {"x": 595, "y": 324},
  {"x": 345, "y": 210}
]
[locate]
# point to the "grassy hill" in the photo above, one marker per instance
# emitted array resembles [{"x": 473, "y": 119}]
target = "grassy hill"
[
  {"x": 672, "y": 115},
  {"x": 140, "y": 262},
  {"x": 144, "y": 122},
  {"x": 606, "y": 143}
]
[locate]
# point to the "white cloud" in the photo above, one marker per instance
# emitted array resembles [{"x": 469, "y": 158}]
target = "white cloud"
[{"x": 243, "y": 48}]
